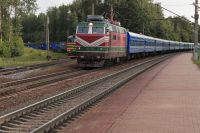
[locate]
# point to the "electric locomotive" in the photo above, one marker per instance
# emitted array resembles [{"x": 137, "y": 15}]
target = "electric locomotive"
[{"x": 100, "y": 41}]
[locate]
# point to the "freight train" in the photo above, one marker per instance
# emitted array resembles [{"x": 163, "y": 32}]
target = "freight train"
[
  {"x": 54, "y": 46},
  {"x": 100, "y": 41}
]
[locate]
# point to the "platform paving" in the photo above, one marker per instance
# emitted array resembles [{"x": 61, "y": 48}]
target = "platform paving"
[{"x": 165, "y": 99}]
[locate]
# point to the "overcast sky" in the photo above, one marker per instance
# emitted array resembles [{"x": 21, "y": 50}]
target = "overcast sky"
[
  {"x": 44, "y": 4},
  {"x": 181, "y": 7}
]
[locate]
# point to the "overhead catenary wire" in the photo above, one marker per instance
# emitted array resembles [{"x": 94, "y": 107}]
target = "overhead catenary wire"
[{"x": 176, "y": 14}]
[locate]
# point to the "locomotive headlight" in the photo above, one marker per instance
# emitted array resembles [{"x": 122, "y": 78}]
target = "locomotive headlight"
[{"x": 90, "y": 24}]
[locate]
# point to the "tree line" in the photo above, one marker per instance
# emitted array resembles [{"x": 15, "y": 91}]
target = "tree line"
[{"x": 140, "y": 16}]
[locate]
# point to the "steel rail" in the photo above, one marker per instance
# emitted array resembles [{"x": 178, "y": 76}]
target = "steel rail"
[
  {"x": 50, "y": 124},
  {"x": 30, "y": 83},
  {"x": 25, "y": 80},
  {"x": 7, "y": 71}
]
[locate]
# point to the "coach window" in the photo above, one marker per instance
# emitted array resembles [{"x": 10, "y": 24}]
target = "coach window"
[{"x": 137, "y": 42}]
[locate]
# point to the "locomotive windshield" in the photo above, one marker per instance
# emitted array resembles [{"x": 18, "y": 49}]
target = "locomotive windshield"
[
  {"x": 98, "y": 30},
  {"x": 91, "y": 28},
  {"x": 82, "y": 29}
]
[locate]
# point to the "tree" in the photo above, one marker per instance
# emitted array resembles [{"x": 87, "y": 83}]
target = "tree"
[
  {"x": 11, "y": 13},
  {"x": 16, "y": 8}
]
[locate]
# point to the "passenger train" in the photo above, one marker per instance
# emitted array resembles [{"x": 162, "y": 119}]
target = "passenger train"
[{"x": 100, "y": 41}]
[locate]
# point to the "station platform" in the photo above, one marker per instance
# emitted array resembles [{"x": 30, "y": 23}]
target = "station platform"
[{"x": 164, "y": 99}]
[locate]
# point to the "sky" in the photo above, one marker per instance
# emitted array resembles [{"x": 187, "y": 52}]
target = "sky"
[
  {"x": 44, "y": 4},
  {"x": 181, "y": 7}
]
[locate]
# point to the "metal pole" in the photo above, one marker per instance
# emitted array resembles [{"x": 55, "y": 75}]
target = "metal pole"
[
  {"x": 68, "y": 23},
  {"x": 67, "y": 34},
  {"x": 111, "y": 14},
  {"x": 196, "y": 16},
  {"x": 47, "y": 38},
  {"x": 92, "y": 8}
]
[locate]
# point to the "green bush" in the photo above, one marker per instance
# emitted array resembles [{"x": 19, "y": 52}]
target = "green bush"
[
  {"x": 17, "y": 46},
  {"x": 5, "y": 50},
  {"x": 13, "y": 49}
]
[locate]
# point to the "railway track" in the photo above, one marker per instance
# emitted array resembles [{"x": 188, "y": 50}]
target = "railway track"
[
  {"x": 46, "y": 114},
  {"x": 8, "y": 88},
  {"x": 7, "y": 71},
  {"x": 33, "y": 82}
]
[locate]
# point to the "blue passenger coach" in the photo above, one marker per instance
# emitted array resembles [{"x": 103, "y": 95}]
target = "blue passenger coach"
[
  {"x": 135, "y": 43},
  {"x": 140, "y": 44}
]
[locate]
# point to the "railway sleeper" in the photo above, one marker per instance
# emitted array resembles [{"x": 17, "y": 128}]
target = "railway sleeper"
[
  {"x": 26, "y": 117},
  {"x": 11, "y": 124},
  {"x": 50, "y": 107},
  {"x": 54, "y": 105},
  {"x": 3, "y": 131},
  {"x": 36, "y": 113},
  {"x": 45, "y": 109},
  {"x": 16, "y": 122},
  {"x": 21, "y": 119},
  {"x": 6, "y": 127},
  {"x": 57, "y": 104},
  {"x": 32, "y": 115}
]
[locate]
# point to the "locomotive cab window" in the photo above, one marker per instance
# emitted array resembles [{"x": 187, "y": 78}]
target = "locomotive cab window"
[
  {"x": 98, "y": 30},
  {"x": 91, "y": 28},
  {"x": 82, "y": 29}
]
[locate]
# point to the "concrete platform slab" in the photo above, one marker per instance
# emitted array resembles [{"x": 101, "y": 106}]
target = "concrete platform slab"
[{"x": 165, "y": 99}]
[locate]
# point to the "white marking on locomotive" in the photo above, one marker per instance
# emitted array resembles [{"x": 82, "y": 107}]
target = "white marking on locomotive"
[{"x": 98, "y": 42}]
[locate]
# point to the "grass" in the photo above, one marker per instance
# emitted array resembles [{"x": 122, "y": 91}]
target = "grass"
[{"x": 30, "y": 56}]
